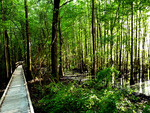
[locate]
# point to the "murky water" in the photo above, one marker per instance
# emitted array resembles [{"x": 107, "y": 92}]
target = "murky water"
[
  {"x": 142, "y": 87},
  {"x": 139, "y": 87}
]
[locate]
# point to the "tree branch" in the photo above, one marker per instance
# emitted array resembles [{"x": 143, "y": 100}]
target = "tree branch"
[
  {"x": 116, "y": 15},
  {"x": 65, "y": 3}
]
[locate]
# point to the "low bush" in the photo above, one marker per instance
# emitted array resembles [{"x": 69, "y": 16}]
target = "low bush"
[
  {"x": 73, "y": 98},
  {"x": 90, "y": 97}
]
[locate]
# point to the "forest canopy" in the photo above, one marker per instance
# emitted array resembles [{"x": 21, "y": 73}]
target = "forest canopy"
[{"x": 87, "y": 35}]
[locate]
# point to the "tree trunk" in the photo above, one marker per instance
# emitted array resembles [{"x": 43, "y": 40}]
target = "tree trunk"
[
  {"x": 135, "y": 60},
  {"x": 86, "y": 47},
  {"x": 29, "y": 68},
  {"x": 7, "y": 54},
  {"x": 117, "y": 47},
  {"x": 120, "y": 53},
  {"x": 54, "y": 54},
  {"x": 93, "y": 35},
  {"x": 61, "y": 72},
  {"x": 131, "y": 78},
  {"x": 105, "y": 47},
  {"x": 139, "y": 42},
  {"x": 143, "y": 51},
  {"x": 128, "y": 46},
  {"x": 101, "y": 50},
  {"x": 6, "y": 45},
  {"x": 97, "y": 45}
]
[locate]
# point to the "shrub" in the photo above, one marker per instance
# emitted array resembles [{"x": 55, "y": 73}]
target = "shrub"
[
  {"x": 72, "y": 98},
  {"x": 146, "y": 109},
  {"x": 105, "y": 75}
]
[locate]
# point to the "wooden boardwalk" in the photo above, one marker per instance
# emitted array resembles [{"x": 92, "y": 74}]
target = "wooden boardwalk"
[{"x": 16, "y": 98}]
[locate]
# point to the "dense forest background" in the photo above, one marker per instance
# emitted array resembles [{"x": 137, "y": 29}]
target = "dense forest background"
[
  {"x": 104, "y": 43},
  {"x": 53, "y": 37}
]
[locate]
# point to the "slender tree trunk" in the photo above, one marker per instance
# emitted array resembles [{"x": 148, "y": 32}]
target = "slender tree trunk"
[
  {"x": 93, "y": 35},
  {"x": 120, "y": 51},
  {"x": 7, "y": 55},
  {"x": 81, "y": 47},
  {"x": 101, "y": 50},
  {"x": 129, "y": 40},
  {"x": 86, "y": 46},
  {"x": 136, "y": 42},
  {"x": 139, "y": 43},
  {"x": 12, "y": 52},
  {"x": 111, "y": 44},
  {"x": 107, "y": 31},
  {"x": 126, "y": 69},
  {"x": 8, "y": 52},
  {"x": 143, "y": 51},
  {"x": 131, "y": 77},
  {"x": 29, "y": 68},
  {"x": 127, "y": 56},
  {"x": 61, "y": 72},
  {"x": 97, "y": 40},
  {"x": 54, "y": 54},
  {"x": 6, "y": 45},
  {"x": 117, "y": 48}
]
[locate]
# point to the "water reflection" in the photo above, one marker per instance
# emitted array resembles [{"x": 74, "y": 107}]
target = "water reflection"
[
  {"x": 139, "y": 86},
  {"x": 142, "y": 87}
]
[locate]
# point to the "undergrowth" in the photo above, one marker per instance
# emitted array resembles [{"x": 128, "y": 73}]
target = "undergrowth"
[{"x": 89, "y": 98}]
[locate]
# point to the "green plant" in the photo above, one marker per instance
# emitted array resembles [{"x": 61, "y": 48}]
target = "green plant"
[
  {"x": 146, "y": 109},
  {"x": 74, "y": 98},
  {"x": 105, "y": 75}
]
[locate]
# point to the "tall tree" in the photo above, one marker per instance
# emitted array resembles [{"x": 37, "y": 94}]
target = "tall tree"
[
  {"x": 131, "y": 78},
  {"x": 93, "y": 35},
  {"x": 6, "y": 43},
  {"x": 54, "y": 54},
  {"x": 143, "y": 50},
  {"x": 61, "y": 73},
  {"x": 139, "y": 43},
  {"x": 28, "y": 42}
]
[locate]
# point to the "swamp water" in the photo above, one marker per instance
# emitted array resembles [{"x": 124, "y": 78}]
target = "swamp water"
[{"x": 124, "y": 82}]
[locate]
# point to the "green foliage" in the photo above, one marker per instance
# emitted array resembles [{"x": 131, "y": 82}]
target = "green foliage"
[
  {"x": 146, "y": 109},
  {"x": 105, "y": 75},
  {"x": 73, "y": 98}
]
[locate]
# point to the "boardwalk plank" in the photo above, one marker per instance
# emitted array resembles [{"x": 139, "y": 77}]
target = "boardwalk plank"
[{"x": 16, "y": 99}]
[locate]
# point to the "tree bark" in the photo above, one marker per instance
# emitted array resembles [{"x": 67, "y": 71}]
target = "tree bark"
[
  {"x": 139, "y": 42},
  {"x": 120, "y": 52},
  {"x": 6, "y": 45},
  {"x": 136, "y": 42},
  {"x": 143, "y": 51},
  {"x": 131, "y": 77},
  {"x": 29, "y": 68},
  {"x": 61, "y": 72},
  {"x": 117, "y": 48},
  {"x": 54, "y": 54},
  {"x": 93, "y": 35}
]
